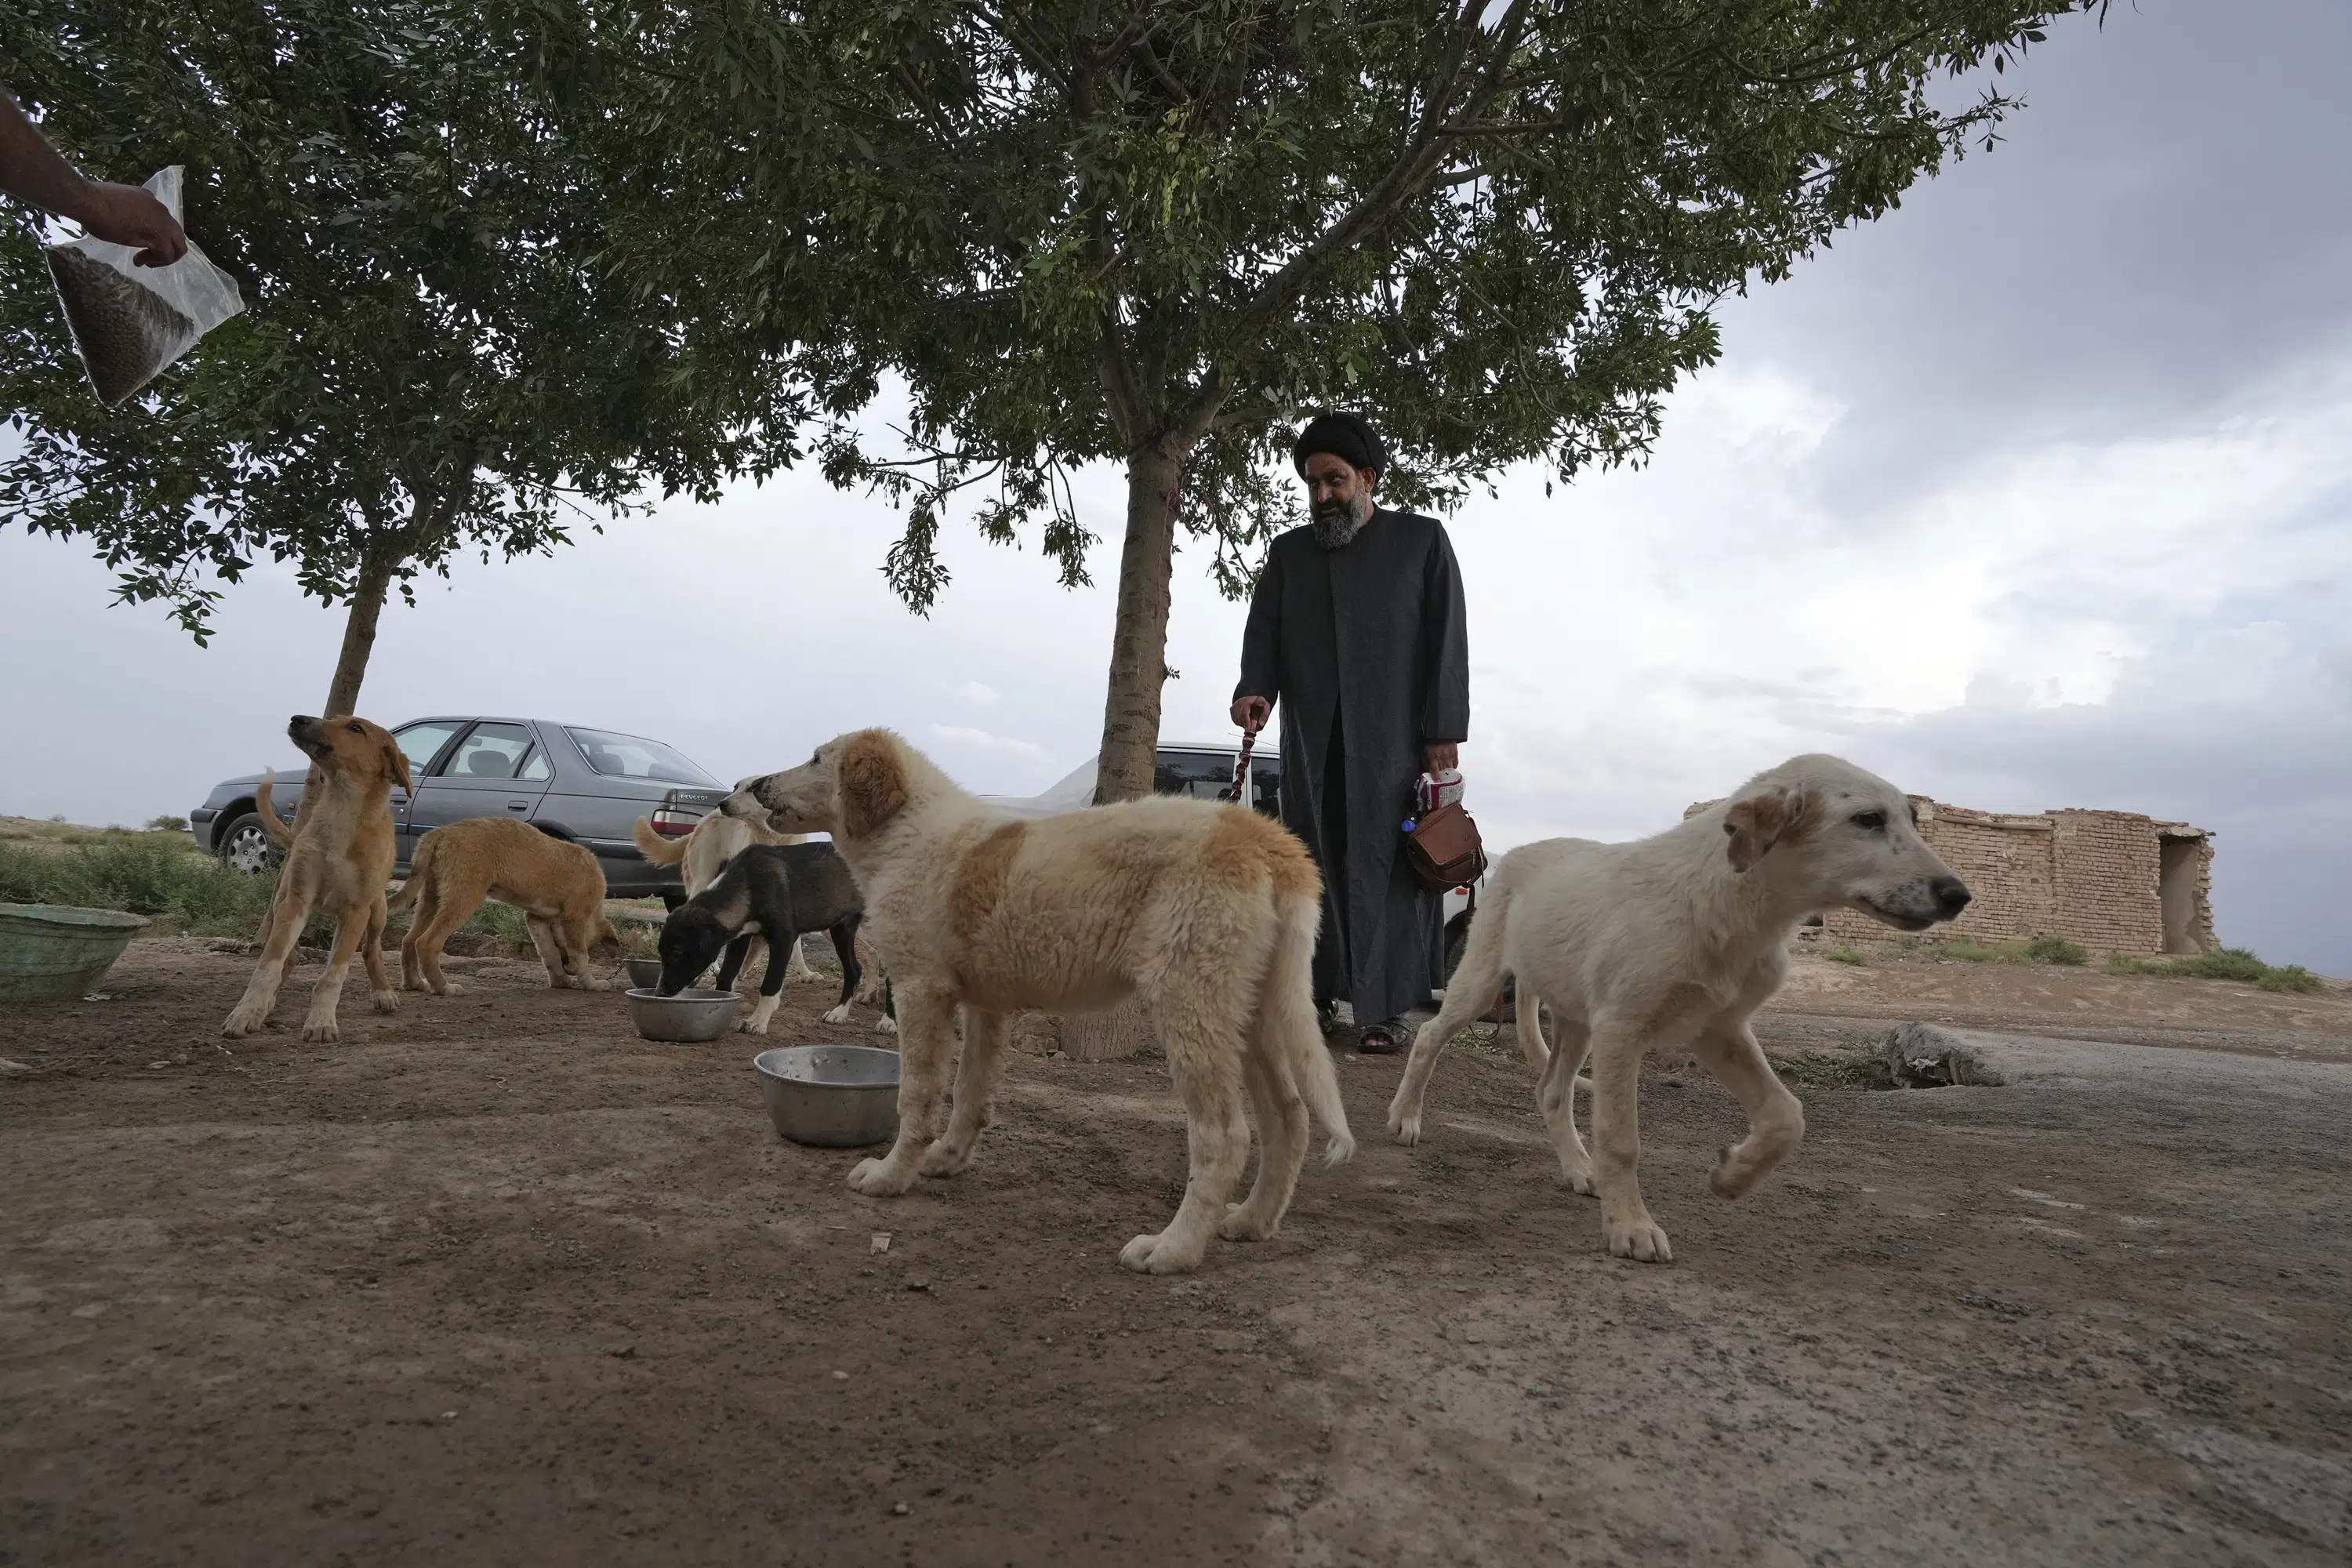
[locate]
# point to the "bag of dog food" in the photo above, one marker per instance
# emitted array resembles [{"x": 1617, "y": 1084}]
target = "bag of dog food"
[{"x": 130, "y": 322}]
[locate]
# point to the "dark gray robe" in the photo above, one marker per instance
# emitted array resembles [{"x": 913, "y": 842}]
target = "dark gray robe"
[{"x": 1369, "y": 640}]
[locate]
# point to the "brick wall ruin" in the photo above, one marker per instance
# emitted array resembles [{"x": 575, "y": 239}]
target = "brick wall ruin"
[{"x": 2113, "y": 880}]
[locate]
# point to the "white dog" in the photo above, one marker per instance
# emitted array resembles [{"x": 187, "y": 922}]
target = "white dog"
[
  {"x": 1677, "y": 940},
  {"x": 1207, "y": 911}
]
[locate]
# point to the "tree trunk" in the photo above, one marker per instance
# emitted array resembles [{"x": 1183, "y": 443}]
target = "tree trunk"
[
  {"x": 350, "y": 664},
  {"x": 359, "y": 634},
  {"x": 1139, "y": 643}
]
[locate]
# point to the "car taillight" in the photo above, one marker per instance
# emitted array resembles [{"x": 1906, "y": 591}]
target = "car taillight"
[{"x": 674, "y": 823}]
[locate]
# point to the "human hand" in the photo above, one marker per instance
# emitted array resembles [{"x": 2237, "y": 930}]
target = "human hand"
[
  {"x": 1445, "y": 754},
  {"x": 1252, "y": 712},
  {"x": 130, "y": 214}
]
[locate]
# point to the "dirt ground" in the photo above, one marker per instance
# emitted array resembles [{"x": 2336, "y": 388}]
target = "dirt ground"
[{"x": 493, "y": 1281}]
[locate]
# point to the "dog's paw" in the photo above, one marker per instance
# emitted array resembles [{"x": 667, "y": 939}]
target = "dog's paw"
[
  {"x": 243, "y": 1022},
  {"x": 1639, "y": 1239},
  {"x": 754, "y": 1025},
  {"x": 944, "y": 1159},
  {"x": 1158, "y": 1255},
  {"x": 879, "y": 1179},
  {"x": 839, "y": 1014},
  {"x": 321, "y": 1031},
  {"x": 1576, "y": 1179},
  {"x": 888, "y": 1026},
  {"x": 591, "y": 983},
  {"x": 1404, "y": 1126},
  {"x": 447, "y": 988},
  {"x": 386, "y": 1001},
  {"x": 1241, "y": 1225}
]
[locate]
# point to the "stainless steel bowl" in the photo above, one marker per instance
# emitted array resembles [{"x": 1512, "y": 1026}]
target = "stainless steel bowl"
[
  {"x": 644, "y": 972},
  {"x": 691, "y": 1017},
  {"x": 835, "y": 1097}
]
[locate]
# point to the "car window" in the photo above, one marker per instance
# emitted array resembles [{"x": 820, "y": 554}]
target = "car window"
[
  {"x": 536, "y": 770},
  {"x": 630, "y": 757},
  {"x": 491, "y": 751},
  {"x": 1266, "y": 782},
  {"x": 1204, "y": 775},
  {"x": 418, "y": 742}
]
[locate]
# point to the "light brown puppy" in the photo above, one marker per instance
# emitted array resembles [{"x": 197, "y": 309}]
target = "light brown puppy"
[
  {"x": 558, "y": 886},
  {"x": 1206, "y": 912},
  {"x": 338, "y": 861}
]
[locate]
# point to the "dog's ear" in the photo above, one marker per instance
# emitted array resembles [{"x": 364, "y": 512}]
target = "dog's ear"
[
  {"x": 1760, "y": 821},
  {"x": 396, "y": 764},
  {"x": 871, "y": 783}
]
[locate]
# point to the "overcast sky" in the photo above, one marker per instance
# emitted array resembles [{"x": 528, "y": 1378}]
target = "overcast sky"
[{"x": 2035, "y": 494}]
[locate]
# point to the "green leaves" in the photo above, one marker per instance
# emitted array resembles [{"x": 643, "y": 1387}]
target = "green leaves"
[
  {"x": 439, "y": 356},
  {"x": 1075, "y": 231}
]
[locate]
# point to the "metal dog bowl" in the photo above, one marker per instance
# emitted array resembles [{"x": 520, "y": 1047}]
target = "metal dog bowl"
[
  {"x": 691, "y": 1017},
  {"x": 835, "y": 1097},
  {"x": 644, "y": 972}
]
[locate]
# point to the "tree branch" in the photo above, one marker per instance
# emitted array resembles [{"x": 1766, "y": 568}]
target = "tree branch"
[{"x": 1367, "y": 216}]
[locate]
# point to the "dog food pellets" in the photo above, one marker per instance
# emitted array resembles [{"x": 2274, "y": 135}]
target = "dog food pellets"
[{"x": 125, "y": 331}]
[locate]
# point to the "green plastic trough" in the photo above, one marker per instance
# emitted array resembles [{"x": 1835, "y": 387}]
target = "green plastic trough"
[{"x": 51, "y": 952}]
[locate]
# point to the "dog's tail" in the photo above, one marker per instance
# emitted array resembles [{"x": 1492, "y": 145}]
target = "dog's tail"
[
  {"x": 1286, "y": 1019},
  {"x": 659, "y": 850},
  {"x": 1530, "y": 1011},
  {"x": 268, "y": 813},
  {"x": 419, "y": 868}
]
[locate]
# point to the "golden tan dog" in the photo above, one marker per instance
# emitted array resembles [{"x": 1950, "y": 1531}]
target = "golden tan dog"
[
  {"x": 1208, "y": 912},
  {"x": 558, "y": 886},
  {"x": 338, "y": 861},
  {"x": 1676, "y": 940}
]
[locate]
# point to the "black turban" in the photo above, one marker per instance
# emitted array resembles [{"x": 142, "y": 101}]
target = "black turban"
[{"x": 1347, "y": 438}]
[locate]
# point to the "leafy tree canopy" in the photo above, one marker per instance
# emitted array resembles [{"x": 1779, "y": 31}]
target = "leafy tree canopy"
[
  {"x": 1154, "y": 231},
  {"x": 435, "y": 355}
]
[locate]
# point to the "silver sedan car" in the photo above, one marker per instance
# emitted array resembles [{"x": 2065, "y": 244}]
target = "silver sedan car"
[{"x": 568, "y": 780}]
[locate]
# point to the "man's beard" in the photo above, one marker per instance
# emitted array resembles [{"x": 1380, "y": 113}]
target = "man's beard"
[{"x": 1337, "y": 523}]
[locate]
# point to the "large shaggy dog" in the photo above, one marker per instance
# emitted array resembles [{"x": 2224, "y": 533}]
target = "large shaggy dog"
[
  {"x": 338, "y": 861},
  {"x": 1677, "y": 940},
  {"x": 1208, "y": 912}
]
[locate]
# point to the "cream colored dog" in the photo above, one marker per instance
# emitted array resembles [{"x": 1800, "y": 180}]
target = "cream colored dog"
[
  {"x": 1208, "y": 912},
  {"x": 702, "y": 854},
  {"x": 338, "y": 861},
  {"x": 1677, "y": 940}
]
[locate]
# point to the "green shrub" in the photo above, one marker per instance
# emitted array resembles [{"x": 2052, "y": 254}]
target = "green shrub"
[
  {"x": 1969, "y": 949},
  {"x": 167, "y": 825},
  {"x": 158, "y": 875},
  {"x": 503, "y": 921},
  {"x": 1845, "y": 953},
  {"x": 1823, "y": 1069},
  {"x": 2056, "y": 950},
  {"x": 2230, "y": 963}
]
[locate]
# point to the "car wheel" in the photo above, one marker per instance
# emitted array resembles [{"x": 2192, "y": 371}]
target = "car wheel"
[{"x": 246, "y": 846}]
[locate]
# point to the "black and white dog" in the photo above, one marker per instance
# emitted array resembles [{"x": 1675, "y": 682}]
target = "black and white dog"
[{"x": 778, "y": 891}]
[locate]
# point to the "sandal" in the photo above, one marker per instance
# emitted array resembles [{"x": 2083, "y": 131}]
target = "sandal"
[{"x": 1382, "y": 1039}]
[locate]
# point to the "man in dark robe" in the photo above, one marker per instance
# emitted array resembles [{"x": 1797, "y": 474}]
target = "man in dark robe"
[{"x": 1357, "y": 630}]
